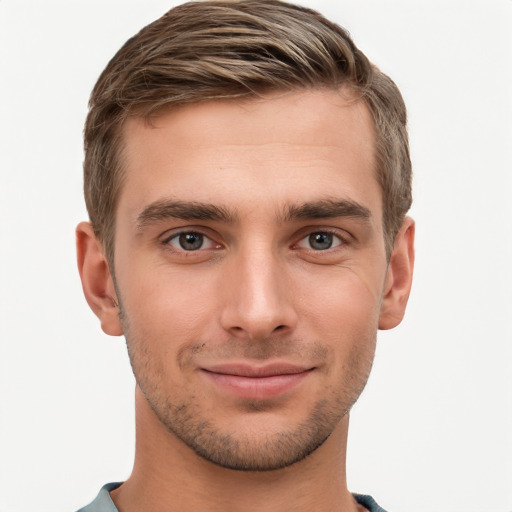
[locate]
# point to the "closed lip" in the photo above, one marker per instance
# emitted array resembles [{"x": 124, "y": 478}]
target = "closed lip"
[
  {"x": 254, "y": 371},
  {"x": 247, "y": 381}
]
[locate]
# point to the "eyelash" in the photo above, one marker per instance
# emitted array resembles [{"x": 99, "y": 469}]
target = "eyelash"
[
  {"x": 335, "y": 238},
  {"x": 176, "y": 236},
  {"x": 341, "y": 241}
]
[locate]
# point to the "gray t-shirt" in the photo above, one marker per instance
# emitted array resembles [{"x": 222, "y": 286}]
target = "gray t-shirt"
[{"x": 103, "y": 502}]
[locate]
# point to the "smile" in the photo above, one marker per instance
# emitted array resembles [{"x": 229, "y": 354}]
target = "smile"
[{"x": 251, "y": 382}]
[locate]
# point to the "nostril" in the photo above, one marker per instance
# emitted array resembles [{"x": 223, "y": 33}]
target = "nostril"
[{"x": 279, "y": 327}]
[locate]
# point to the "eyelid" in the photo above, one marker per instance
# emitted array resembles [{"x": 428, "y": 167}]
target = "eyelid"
[
  {"x": 174, "y": 234},
  {"x": 342, "y": 236}
]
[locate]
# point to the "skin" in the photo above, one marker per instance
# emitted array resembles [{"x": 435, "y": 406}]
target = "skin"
[{"x": 279, "y": 200}]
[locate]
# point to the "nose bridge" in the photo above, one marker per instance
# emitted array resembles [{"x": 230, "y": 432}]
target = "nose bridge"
[{"x": 259, "y": 301}]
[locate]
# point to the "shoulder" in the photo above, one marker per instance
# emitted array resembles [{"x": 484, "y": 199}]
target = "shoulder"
[
  {"x": 102, "y": 502},
  {"x": 368, "y": 502}
]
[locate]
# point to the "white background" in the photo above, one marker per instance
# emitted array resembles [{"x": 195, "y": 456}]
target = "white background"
[{"x": 433, "y": 430}]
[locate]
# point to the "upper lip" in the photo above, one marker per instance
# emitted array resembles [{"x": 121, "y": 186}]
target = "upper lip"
[{"x": 248, "y": 370}]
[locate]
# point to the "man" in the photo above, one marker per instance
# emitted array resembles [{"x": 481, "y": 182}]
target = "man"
[{"x": 247, "y": 177}]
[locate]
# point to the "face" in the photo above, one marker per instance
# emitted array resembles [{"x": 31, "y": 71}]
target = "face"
[{"x": 250, "y": 270}]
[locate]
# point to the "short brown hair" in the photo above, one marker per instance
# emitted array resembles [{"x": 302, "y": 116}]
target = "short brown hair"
[{"x": 221, "y": 49}]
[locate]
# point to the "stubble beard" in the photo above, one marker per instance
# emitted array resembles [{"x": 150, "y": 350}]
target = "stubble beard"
[
  {"x": 257, "y": 451},
  {"x": 246, "y": 451}
]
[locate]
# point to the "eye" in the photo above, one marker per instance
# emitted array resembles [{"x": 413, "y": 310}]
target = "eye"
[
  {"x": 320, "y": 241},
  {"x": 190, "y": 241}
]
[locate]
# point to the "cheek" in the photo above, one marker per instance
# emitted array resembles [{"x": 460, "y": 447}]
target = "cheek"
[
  {"x": 344, "y": 301},
  {"x": 343, "y": 314},
  {"x": 165, "y": 312},
  {"x": 351, "y": 332},
  {"x": 163, "y": 294}
]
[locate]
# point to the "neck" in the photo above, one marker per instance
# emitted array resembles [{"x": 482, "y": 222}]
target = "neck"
[{"x": 168, "y": 475}]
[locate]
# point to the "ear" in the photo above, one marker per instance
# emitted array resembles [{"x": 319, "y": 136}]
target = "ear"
[
  {"x": 398, "y": 278},
  {"x": 97, "y": 281}
]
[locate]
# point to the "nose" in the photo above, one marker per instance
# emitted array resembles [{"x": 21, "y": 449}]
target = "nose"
[{"x": 258, "y": 297}]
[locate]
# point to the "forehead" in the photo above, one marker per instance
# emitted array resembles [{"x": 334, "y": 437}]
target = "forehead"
[{"x": 280, "y": 148}]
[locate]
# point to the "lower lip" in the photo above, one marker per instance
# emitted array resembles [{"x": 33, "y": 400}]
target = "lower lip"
[{"x": 259, "y": 388}]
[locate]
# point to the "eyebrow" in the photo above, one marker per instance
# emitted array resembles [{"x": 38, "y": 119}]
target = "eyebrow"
[
  {"x": 194, "y": 210},
  {"x": 326, "y": 209},
  {"x": 185, "y": 210}
]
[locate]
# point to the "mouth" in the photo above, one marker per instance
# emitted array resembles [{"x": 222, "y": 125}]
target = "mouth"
[{"x": 257, "y": 382}]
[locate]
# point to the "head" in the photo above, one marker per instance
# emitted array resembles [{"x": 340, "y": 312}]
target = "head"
[
  {"x": 221, "y": 50},
  {"x": 247, "y": 178}
]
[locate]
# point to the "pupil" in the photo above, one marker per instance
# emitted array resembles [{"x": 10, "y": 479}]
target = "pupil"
[
  {"x": 320, "y": 241},
  {"x": 191, "y": 241}
]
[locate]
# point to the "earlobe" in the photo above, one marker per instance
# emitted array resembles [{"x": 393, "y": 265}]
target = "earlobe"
[
  {"x": 399, "y": 277},
  {"x": 97, "y": 281}
]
